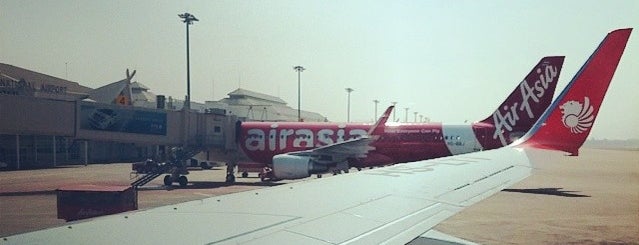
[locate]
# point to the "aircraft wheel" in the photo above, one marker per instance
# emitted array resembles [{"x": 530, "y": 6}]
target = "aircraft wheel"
[
  {"x": 359, "y": 169},
  {"x": 167, "y": 180},
  {"x": 183, "y": 181},
  {"x": 319, "y": 176},
  {"x": 346, "y": 171},
  {"x": 244, "y": 174}
]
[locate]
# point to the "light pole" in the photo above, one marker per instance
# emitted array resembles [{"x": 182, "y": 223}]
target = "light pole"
[
  {"x": 188, "y": 19},
  {"x": 376, "y": 102},
  {"x": 406, "y": 116},
  {"x": 394, "y": 103},
  {"x": 348, "y": 108},
  {"x": 299, "y": 70}
]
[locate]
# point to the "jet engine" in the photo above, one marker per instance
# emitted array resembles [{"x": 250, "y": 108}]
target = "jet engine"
[{"x": 286, "y": 166}]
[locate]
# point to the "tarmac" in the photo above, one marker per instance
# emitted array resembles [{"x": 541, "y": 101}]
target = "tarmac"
[{"x": 590, "y": 199}]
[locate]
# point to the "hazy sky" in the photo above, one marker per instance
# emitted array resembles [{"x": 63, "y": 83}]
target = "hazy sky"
[{"x": 447, "y": 60}]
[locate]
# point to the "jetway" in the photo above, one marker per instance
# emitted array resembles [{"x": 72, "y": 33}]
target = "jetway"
[{"x": 83, "y": 122}]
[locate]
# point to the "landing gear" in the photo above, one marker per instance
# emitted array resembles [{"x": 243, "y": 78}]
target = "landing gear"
[
  {"x": 231, "y": 164},
  {"x": 244, "y": 174}
]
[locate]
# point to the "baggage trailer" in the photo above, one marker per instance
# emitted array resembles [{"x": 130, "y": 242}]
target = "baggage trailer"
[{"x": 264, "y": 171}]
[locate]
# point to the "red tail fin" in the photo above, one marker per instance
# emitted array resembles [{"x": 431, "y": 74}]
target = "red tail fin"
[
  {"x": 528, "y": 101},
  {"x": 567, "y": 122}
]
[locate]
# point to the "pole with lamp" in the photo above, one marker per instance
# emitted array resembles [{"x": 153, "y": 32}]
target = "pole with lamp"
[
  {"x": 188, "y": 19},
  {"x": 348, "y": 107},
  {"x": 299, "y": 70}
]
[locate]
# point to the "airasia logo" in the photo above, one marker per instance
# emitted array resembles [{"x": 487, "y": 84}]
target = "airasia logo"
[
  {"x": 506, "y": 121},
  {"x": 576, "y": 116},
  {"x": 283, "y": 138}
]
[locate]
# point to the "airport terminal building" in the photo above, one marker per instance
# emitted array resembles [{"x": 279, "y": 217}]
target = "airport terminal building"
[{"x": 47, "y": 121}]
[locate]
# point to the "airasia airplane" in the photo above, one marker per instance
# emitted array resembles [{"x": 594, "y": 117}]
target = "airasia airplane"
[
  {"x": 387, "y": 205},
  {"x": 299, "y": 149}
]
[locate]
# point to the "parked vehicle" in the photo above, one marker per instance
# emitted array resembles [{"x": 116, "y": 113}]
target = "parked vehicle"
[{"x": 148, "y": 166}]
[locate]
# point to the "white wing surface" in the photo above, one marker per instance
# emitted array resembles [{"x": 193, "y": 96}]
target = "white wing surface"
[{"x": 393, "y": 204}]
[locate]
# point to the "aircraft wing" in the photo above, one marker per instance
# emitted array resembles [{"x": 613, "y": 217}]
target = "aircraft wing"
[
  {"x": 393, "y": 204},
  {"x": 352, "y": 148},
  {"x": 341, "y": 150}
]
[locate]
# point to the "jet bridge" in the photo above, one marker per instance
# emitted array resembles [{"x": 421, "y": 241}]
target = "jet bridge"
[{"x": 25, "y": 119}]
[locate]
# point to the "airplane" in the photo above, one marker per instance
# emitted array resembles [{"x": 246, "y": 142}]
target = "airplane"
[
  {"x": 299, "y": 149},
  {"x": 392, "y": 204}
]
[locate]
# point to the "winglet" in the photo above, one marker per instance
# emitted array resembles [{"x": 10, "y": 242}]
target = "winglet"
[
  {"x": 378, "y": 128},
  {"x": 567, "y": 122}
]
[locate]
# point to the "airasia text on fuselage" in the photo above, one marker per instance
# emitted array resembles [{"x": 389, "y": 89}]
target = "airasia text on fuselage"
[
  {"x": 282, "y": 138},
  {"x": 508, "y": 120}
]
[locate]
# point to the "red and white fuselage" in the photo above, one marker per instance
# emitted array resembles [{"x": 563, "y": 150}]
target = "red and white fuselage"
[
  {"x": 398, "y": 143},
  {"x": 406, "y": 142}
]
